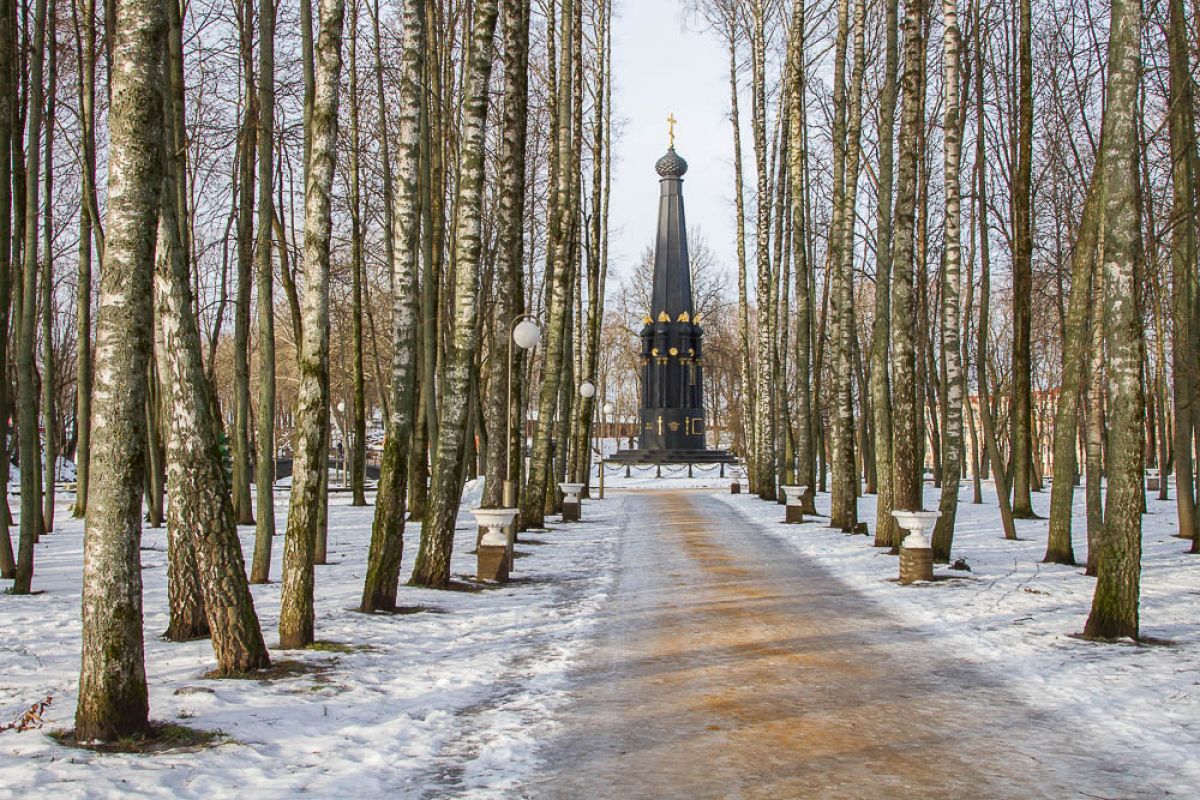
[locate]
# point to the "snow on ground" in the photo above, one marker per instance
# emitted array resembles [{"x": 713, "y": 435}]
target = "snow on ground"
[
  {"x": 1015, "y": 616},
  {"x": 451, "y": 700}
]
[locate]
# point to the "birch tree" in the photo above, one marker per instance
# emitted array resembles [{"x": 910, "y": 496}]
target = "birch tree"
[
  {"x": 558, "y": 281},
  {"x": 89, "y": 226},
  {"x": 881, "y": 402},
  {"x": 200, "y": 506},
  {"x": 765, "y": 478},
  {"x": 113, "y": 700},
  {"x": 50, "y": 434},
  {"x": 1185, "y": 164},
  {"x": 432, "y": 566},
  {"x": 797, "y": 156},
  {"x": 1114, "y": 610},
  {"x": 906, "y": 475},
  {"x": 505, "y": 405},
  {"x": 27, "y": 411},
  {"x": 387, "y": 532},
  {"x": 239, "y": 434},
  {"x": 952, "y": 444},
  {"x": 296, "y": 611},
  {"x": 264, "y": 468},
  {"x": 8, "y": 83},
  {"x": 1059, "y": 549},
  {"x": 844, "y": 488},
  {"x": 1021, "y": 412}
]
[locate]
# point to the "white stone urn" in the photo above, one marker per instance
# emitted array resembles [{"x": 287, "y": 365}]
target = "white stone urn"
[
  {"x": 794, "y": 494},
  {"x": 571, "y": 490},
  {"x": 494, "y": 521},
  {"x": 916, "y": 523}
]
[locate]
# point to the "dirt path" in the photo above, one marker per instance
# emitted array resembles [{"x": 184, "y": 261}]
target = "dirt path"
[{"x": 731, "y": 667}]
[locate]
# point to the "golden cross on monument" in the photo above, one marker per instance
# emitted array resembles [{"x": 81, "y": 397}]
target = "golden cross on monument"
[{"x": 671, "y": 129}]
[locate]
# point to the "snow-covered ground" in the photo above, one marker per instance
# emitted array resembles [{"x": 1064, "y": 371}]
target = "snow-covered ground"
[
  {"x": 454, "y": 700},
  {"x": 448, "y": 701},
  {"x": 1015, "y": 616}
]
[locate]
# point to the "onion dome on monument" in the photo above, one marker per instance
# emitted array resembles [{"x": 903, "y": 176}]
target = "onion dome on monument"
[{"x": 671, "y": 165}]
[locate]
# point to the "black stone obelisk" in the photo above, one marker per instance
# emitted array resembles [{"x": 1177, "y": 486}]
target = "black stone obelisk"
[{"x": 671, "y": 417}]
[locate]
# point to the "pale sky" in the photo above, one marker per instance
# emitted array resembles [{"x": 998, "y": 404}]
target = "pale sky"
[{"x": 661, "y": 67}]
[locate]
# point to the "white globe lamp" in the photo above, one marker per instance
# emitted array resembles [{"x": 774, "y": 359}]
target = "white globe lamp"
[{"x": 527, "y": 334}]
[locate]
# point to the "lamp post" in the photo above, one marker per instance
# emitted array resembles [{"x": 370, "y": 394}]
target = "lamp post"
[
  {"x": 341, "y": 407},
  {"x": 572, "y": 491},
  {"x": 633, "y": 423},
  {"x": 606, "y": 410},
  {"x": 525, "y": 334}
]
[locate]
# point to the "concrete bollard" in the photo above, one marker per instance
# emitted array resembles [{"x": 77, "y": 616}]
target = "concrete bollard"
[
  {"x": 571, "y": 511},
  {"x": 794, "y": 513},
  {"x": 494, "y": 552},
  {"x": 916, "y": 556},
  {"x": 735, "y": 487}
]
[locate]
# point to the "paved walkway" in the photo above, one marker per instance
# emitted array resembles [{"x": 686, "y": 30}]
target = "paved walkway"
[{"x": 732, "y": 667}]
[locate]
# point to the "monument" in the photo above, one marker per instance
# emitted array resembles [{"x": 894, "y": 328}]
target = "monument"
[{"x": 671, "y": 414}]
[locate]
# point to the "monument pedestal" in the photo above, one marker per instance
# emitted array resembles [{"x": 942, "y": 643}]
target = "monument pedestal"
[
  {"x": 571, "y": 501},
  {"x": 494, "y": 550},
  {"x": 916, "y": 556},
  {"x": 794, "y": 496},
  {"x": 916, "y": 564},
  {"x": 492, "y": 563}
]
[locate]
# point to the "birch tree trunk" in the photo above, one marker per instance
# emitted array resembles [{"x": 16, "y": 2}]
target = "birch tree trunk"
[
  {"x": 1059, "y": 549},
  {"x": 187, "y": 619},
  {"x": 264, "y": 468},
  {"x": 504, "y": 399},
  {"x": 881, "y": 402},
  {"x": 312, "y": 420},
  {"x": 357, "y": 454},
  {"x": 27, "y": 412},
  {"x": 1021, "y": 410},
  {"x": 844, "y": 487},
  {"x": 1186, "y": 334},
  {"x": 906, "y": 416},
  {"x": 540, "y": 473},
  {"x": 8, "y": 565},
  {"x": 739, "y": 191},
  {"x": 49, "y": 424},
  {"x": 1094, "y": 433},
  {"x": 1115, "y": 602},
  {"x": 387, "y": 532},
  {"x": 952, "y": 444},
  {"x": 113, "y": 700},
  {"x": 240, "y": 434},
  {"x": 89, "y": 226},
  {"x": 200, "y": 508},
  {"x": 432, "y": 566},
  {"x": 797, "y": 156},
  {"x": 981, "y": 366},
  {"x": 765, "y": 479}
]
